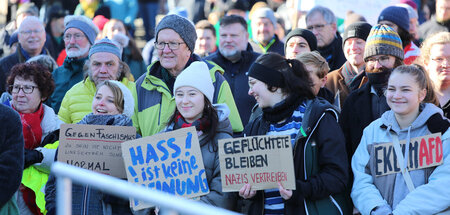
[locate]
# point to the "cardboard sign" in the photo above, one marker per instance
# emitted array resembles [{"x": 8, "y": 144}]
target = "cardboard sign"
[
  {"x": 424, "y": 152},
  {"x": 171, "y": 162},
  {"x": 261, "y": 161},
  {"x": 94, "y": 147}
]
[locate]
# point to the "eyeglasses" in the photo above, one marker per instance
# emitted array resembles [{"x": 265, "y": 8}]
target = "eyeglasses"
[
  {"x": 77, "y": 37},
  {"x": 171, "y": 45},
  {"x": 383, "y": 60},
  {"x": 29, "y": 32},
  {"x": 27, "y": 89},
  {"x": 440, "y": 60},
  {"x": 317, "y": 27}
]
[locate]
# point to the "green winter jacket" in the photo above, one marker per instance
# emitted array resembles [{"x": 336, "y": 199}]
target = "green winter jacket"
[
  {"x": 155, "y": 103},
  {"x": 78, "y": 100},
  {"x": 65, "y": 76}
]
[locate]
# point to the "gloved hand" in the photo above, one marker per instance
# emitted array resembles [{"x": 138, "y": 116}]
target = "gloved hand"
[
  {"x": 31, "y": 157},
  {"x": 50, "y": 138},
  {"x": 47, "y": 161}
]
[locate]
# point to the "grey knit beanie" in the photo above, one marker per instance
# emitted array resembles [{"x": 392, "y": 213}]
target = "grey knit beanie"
[
  {"x": 265, "y": 12},
  {"x": 106, "y": 45},
  {"x": 83, "y": 24},
  {"x": 182, "y": 26}
]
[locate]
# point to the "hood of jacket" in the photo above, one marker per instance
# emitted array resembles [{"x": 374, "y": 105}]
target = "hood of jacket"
[
  {"x": 426, "y": 111},
  {"x": 314, "y": 110}
]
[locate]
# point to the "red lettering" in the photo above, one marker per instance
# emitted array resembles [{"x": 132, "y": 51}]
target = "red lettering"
[
  {"x": 431, "y": 146},
  {"x": 439, "y": 150},
  {"x": 423, "y": 153}
]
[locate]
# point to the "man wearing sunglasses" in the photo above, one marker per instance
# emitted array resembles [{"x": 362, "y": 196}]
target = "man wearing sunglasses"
[{"x": 175, "y": 43}]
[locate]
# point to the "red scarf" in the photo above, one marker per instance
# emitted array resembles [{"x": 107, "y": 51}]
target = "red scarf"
[
  {"x": 200, "y": 124},
  {"x": 31, "y": 127}
]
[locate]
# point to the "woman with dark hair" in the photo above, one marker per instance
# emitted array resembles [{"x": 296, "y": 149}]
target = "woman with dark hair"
[
  {"x": 30, "y": 84},
  {"x": 283, "y": 90},
  {"x": 193, "y": 92}
]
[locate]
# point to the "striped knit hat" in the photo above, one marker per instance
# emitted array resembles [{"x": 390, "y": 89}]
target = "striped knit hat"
[{"x": 383, "y": 40}]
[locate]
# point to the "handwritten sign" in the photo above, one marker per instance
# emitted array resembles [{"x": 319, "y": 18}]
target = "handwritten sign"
[
  {"x": 424, "y": 152},
  {"x": 261, "y": 161},
  {"x": 94, "y": 147},
  {"x": 171, "y": 162}
]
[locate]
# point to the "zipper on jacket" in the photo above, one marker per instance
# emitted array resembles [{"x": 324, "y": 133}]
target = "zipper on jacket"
[{"x": 85, "y": 202}]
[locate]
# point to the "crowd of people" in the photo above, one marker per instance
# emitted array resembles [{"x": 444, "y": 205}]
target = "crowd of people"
[{"x": 233, "y": 68}]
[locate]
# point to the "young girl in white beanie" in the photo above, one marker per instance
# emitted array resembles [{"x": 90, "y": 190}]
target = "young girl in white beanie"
[{"x": 193, "y": 92}]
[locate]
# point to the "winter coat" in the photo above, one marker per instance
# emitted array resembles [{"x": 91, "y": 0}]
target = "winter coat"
[
  {"x": 65, "y": 77},
  {"x": 277, "y": 46},
  {"x": 77, "y": 102},
  {"x": 431, "y": 27},
  {"x": 431, "y": 193},
  {"x": 333, "y": 53},
  {"x": 84, "y": 199},
  {"x": 211, "y": 160},
  {"x": 355, "y": 116},
  {"x": 320, "y": 163},
  {"x": 6, "y": 63},
  {"x": 155, "y": 103},
  {"x": 235, "y": 74},
  {"x": 11, "y": 153}
]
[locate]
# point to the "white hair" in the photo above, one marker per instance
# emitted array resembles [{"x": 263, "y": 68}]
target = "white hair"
[{"x": 31, "y": 19}]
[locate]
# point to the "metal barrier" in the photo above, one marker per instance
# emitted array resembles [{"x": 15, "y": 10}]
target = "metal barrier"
[{"x": 65, "y": 174}]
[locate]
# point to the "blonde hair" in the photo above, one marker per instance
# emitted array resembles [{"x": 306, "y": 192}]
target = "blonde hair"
[
  {"x": 439, "y": 38},
  {"x": 315, "y": 59},
  {"x": 117, "y": 93}
]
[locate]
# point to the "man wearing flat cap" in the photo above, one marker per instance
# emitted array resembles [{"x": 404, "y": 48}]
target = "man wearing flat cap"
[
  {"x": 79, "y": 35},
  {"x": 155, "y": 104}
]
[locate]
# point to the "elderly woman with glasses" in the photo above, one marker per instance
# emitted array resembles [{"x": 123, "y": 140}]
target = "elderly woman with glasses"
[{"x": 30, "y": 84}]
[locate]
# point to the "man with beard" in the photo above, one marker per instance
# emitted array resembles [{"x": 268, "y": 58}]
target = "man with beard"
[
  {"x": 31, "y": 38},
  {"x": 235, "y": 56},
  {"x": 383, "y": 52},
  {"x": 439, "y": 22},
  {"x": 436, "y": 60},
  {"x": 79, "y": 35}
]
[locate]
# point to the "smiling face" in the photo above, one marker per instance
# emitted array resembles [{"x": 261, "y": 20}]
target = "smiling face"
[
  {"x": 263, "y": 30},
  {"x": 206, "y": 41},
  {"x": 403, "y": 94},
  {"x": 190, "y": 103},
  {"x": 32, "y": 36},
  {"x": 354, "y": 51},
  {"x": 172, "y": 60},
  {"x": 26, "y": 103},
  {"x": 263, "y": 96},
  {"x": 103, "y": 66},
  {"x": 103, "y": 103}
]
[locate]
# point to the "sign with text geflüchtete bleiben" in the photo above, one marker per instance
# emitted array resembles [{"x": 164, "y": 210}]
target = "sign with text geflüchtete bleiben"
[
  {"x": 94, "y": 147},
  {"x": 424, "y": 151},
  {"x": 171, "y": 162},
  {"x": 261, "y": 161}
]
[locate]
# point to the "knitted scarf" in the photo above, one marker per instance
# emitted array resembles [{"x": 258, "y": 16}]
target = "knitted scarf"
[
  {"x": 31, "y": 127},
  {"x": 201, "y": 124},
  {"x": 282, "y": 110},
  {"x": 117, "y": 120}
]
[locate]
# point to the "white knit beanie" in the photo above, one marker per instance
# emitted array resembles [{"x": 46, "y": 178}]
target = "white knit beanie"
[
  {"x": 128, "y": 100},
  {"x": 196, "y": 75}
]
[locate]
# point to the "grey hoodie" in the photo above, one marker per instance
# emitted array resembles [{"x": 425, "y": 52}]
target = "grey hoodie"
[{"x": 431, "y": 194}]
